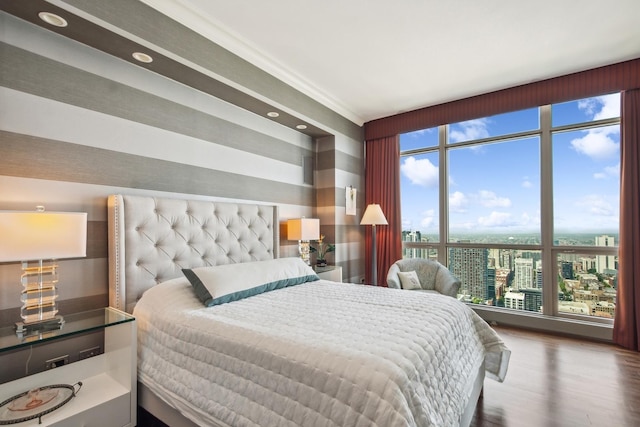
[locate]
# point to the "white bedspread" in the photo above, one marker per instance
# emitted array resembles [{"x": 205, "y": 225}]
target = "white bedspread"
[{"x": 317, "y": 354}]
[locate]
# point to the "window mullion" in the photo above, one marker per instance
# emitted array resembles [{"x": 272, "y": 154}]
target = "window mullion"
[
  {"x": 443, "y": 208},
  {"x": 549, "y": 296}
]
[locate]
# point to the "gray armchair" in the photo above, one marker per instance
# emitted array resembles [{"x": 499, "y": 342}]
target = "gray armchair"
[{"x": 432, "y": 275}]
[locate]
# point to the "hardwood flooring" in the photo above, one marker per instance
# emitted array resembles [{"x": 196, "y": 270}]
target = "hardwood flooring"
[{"x": 554, "y": 381}]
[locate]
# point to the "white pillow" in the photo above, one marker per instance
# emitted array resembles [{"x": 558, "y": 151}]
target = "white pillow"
[
  {"x": 409, "y": 280},
  {"x": 230, "y": 282}
]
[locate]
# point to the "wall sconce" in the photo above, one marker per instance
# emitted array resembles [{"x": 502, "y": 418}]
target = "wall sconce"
[
  {"x": 38, "y": 239},
  {"x": 303, "y": 230},
  {"x": 373, "y": 216}
]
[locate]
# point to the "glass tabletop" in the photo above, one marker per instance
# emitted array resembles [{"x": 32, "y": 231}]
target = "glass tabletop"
[{"x": 75, "y": 323}]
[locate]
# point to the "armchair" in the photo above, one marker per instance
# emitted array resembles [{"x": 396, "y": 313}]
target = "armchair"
[{"x": 432, "y": 275}]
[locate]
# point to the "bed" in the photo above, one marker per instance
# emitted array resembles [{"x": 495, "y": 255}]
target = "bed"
[{"x": 304, "y": 352}]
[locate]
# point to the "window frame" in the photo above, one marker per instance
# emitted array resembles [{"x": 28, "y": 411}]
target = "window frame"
[{"x": 549, "y": 251}]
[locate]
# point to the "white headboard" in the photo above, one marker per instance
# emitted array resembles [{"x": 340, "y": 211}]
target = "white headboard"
[{"x": 152, "y": 239}]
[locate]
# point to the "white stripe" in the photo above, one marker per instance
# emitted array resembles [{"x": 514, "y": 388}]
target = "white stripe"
[{"x": 68, "y": 123}]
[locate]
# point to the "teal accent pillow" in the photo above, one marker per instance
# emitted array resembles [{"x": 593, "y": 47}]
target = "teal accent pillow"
[{"x": 231, "y": 282}]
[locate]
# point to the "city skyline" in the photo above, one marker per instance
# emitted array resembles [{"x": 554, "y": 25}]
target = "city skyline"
[
  {"x": 495, "y": 188},
  {"x": 513, "y": 278}
]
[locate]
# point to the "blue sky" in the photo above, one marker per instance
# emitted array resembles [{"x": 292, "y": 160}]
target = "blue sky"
[{"x": 495, "y": 188}]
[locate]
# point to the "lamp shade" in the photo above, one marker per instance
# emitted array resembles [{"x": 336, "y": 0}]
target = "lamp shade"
[
  {"x": 373, "y": 216},
  {"x": 29, "y": 236},
  {"x": 303, "y": 229}
]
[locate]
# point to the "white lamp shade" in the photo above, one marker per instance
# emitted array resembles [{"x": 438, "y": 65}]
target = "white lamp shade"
[
  {"x": 29, "y": 236},
  {"x": 373, "y": 216},
  {"x": 303, "y": 229}
]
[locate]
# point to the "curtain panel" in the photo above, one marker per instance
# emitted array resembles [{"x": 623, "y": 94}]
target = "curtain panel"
[
  {"x": 382, "y": 186},
  {"x": 626, "y": 329}
]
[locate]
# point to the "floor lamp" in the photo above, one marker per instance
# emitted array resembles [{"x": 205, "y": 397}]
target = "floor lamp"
[{"x": 373, "y": 216}]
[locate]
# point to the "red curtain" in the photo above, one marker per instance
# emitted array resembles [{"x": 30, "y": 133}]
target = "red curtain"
[
  {"x": 382, "y": 186},
  {"x": 626, "y": 329}
]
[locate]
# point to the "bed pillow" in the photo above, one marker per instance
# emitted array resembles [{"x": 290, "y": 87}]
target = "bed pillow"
[
  {"x": 231, "y": 282},
  {"x": 409, "y": 280}
]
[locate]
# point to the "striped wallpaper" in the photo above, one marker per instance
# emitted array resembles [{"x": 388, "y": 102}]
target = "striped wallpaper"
[{"x": 77, "y": 124}]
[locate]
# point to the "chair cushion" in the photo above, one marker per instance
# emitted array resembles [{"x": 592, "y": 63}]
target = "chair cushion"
[{"x": 409, "y": 280}]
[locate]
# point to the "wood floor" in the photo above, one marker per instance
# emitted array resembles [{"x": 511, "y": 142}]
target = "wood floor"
[
  {"x": 554, "y": 382},
  {"x": 564, "y": 382}
]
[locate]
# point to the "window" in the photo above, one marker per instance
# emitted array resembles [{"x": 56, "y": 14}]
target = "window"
[{"x": 523, "y": 207}]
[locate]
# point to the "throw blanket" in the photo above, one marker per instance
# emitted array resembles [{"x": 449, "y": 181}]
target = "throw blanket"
[{"x": 316, "y": 354}]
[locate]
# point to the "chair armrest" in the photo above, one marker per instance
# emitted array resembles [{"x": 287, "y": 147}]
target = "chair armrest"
[
  {"x": 393, "y": 281},
  {"x": 447, "y": 283}
]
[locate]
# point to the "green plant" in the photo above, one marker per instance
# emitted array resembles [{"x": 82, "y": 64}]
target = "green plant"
[{"x": 323, "y": 248}]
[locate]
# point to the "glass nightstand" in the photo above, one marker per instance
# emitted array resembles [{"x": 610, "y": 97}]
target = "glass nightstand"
[
  {"x": 74, "y": 324},
  {"x": 107, "y": 370}
]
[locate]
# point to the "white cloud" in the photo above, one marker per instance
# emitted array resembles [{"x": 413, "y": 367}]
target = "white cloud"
[
  {"x": 421, "y": 132},
  {"x": 490, "y": 199},
  {"x": 471, "y": 129},
  {"x": 597, "y": 144},
  {"x": 496, "y": 219},
  {"x": 529, "y": 220},
  {"x": 458, "y": 202},
  {"x": 613, "y": 170},
  {"x": 608, "y": 172},
  {"x": 428, "y": 218},
  {"x": 420, "y": 172},
  {"x": 601, "y": 107},
  {"x": 597, "y": 205}
]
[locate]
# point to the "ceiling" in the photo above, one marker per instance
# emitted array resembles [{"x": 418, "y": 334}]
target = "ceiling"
[{"x": 368, "y": 59}]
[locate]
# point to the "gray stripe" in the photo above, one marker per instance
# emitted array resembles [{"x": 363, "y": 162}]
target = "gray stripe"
[
  {"x": 339, "y": 160},
  {"x": 27, "y": 72},
  {"x": 335, "y": 196},
  {"x": 32, "y": 157}
]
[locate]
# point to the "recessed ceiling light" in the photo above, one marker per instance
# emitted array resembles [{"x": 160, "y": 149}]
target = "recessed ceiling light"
[
  {"x": 142, "y": 57},
  {"x": 301, "y": 127},
  {"x": 53, "y": 19},
  {"x": 273, "y": 114}
]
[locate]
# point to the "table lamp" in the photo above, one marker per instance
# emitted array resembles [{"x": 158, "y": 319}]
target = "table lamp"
[
  {"x": 38, "y": 239},
  {"x": 303, "y": 230}
]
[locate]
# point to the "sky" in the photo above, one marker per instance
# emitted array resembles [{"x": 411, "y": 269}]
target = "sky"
[{"x": 495, "y": 188}]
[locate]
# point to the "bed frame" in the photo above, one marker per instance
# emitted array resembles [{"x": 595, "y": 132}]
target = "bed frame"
[{"x": 152, "y": 239}]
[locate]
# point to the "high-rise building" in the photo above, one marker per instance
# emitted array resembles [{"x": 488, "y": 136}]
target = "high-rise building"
[
  {"x": 506, "y": 259},
  {"x": 412, "y": 236},
  {"x": 538, "y": 280},
  {"x": 523, "y": 278},
  {"x": 605, "y": 264},
  {"x": 532, "y": 299},
  {"x": 514, "y": 300},
  {"x": 470, "y": 265},
  {"x": 566, "y": 270},
  {"x": 491, "y": 285}
]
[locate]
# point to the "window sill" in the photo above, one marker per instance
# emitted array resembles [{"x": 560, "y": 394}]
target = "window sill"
[{"x": 539, "y": 322}]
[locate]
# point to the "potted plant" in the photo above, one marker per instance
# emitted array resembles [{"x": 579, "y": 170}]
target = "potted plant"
[{"x": 322, "y": 250}]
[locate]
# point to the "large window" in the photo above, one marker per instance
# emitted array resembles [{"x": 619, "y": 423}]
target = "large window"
[{"x": 523, "y": 207}]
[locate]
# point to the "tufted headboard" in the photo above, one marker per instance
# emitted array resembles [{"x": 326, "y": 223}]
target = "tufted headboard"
[{"x": 152, "y": 239}]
